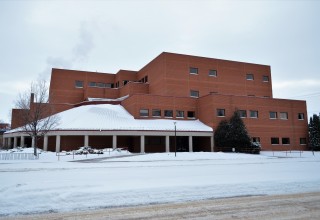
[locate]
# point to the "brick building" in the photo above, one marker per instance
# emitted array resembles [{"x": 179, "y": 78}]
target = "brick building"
[{"x": 175, "y": 88}]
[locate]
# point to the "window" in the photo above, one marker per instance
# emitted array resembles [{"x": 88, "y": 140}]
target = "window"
[
  {"x": 213, "y": 73},
  {"x": 168, "y": 113},
  {"x": 191, "y": 114},
  {"x": 146, "y": 79},
  {"x": 125, "y": 82},
  {"x": 265, "y": 78},
  {"x": 256, "y": 139},
  {"x": 92, "y": 84},
  {"x": 274, "y": 140},
  {"x": 253, "y": 114},
  {"x": 78, "y": 84},
  {"x": 301, "y": 116},
  {"x": 194, "y": 93},
  {"x": 303, "y": 141},
  {"x": 286, "y": 141},
  {"x": 193, "y": 70},
  {"x": 144, "y": 112},
  {"x": 156, "y": 112},
  {"x": 179, "y": 114},
  {"x": 273, "y": 115},
  {"x": 250, "y": 76},
  {"x": 284, "y": 115},
  {"x": 242, "y": 113},
  {"x": 221, "y": 112}
]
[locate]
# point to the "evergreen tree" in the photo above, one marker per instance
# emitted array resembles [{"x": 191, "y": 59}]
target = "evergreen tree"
[
  {"x": 221, "y": 135},
  {"x": 314, "y": 132}
]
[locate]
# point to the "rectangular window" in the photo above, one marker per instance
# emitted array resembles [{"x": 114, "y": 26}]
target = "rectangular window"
[
  {"x": 194, "y": 93},
  {"x": 303, "y": 141},
  {"x": 242, "y": 113},
  {"x": 273, "y": 115},
  {"x": 213, "y": 73},
  {"x": 78, "y": 84},
  {"x": 191, "y": 114},
  {"x": 221, "y": 112},
  {"x": 274, "y": 140},
  {"x": 92, "y": 84},
  {"x": 284, "y": 115},
  {"x": 256, "y": 139},
  {"x": 144, "y": 112},
  {"x": 156, "y": 112},
  {"x": 265, "y": 78},
  {"x": 179, "y": 114},
  {"x": 250, "y": 76},
  {"x": 168, "y": 113},
  {"x": 286, "y": 141},
  {"x": 193, "y": 70},
  {"x": 301, "y": 116},
  {"x": 253, "y": 114}
]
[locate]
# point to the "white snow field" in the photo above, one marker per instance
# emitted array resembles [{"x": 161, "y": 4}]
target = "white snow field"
[{"x": 48, "y": 185}]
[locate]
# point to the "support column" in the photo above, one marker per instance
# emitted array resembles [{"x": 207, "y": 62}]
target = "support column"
[
  {"x": 22, "y": 141},
  {"x": 32, "y": 143},
  {"x": 190, "y": 144},
  {"x": 212, "y": 143},
  {"x": 15, "y": 141},
  {"x": 114, "y": 141},
  {"x": 45, "y": 143},
  {"x": 86, "y": 140},
  {"x": 58, "y": 143},
  {"x": 167, "y": 144},
  {"x": 142, "y": 144}
]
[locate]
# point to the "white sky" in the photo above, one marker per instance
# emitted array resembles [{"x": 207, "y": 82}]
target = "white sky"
[{"x": 106, "y": 36}]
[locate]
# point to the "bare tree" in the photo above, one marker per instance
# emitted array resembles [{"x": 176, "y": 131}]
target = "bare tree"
[{"x": 36, "y": 114}]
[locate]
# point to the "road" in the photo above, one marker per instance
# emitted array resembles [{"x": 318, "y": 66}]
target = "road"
[{"x": 292, "y": 206}]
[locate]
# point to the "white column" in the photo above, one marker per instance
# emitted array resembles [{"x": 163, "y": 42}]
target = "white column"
[
  {"x": 212, "y": 143},
  {"x": 142, "y": 144},
  {"x": 9, "y": 142},
  {"x": 45, "y": 143},
  {"x": 58, "y": 143},
  {"x": 167, "y": 144},
  {"x": 190, "y": 144},
  {"x": 86, "y": 140},
  {"x": 32, "y": 143},
  {"x": 15, "y": 141},
  {"x": 22, "y": 141},
  {"x": 114, "y": 141}
]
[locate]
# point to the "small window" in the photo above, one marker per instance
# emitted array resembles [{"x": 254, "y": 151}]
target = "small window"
[
  {"x": 168, "y": 113},
  {"x": 274, "y": 140},
  {"x": 125, "y": 82},
  {"x": 179, "y": 114},
  {"x": 146, "y": 79},
  {"x": 92, "y": 84},
  {"x": 286, "y": 141},
  {"x": 194, "y": 93},
  {"x": 250, "y": 76},
  {"x": 213, "y": 73},
  {"x": 284, "y": 115},
  {"x": 265, "y": 78},
  {"x": 221, "y": 112},
  {"x": 193, "y": 70},
  {"x": 242, "y": 113},
  {"x": 144, "y": 112},
  {"x": 156, "y": 113},
  {"x": 78, "y": 84},
  {"x": 303, "y": 141},
  {"x": 256, "y": 139},
  {"x": 273, "y": 115},
  {"x": 191, "y": 114},
  {"x": 253, "y": 114},
  {"x": 301, "y": 116}
]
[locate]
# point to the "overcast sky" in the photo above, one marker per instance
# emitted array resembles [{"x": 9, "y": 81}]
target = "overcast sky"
[{"x": 106, "y": 36}]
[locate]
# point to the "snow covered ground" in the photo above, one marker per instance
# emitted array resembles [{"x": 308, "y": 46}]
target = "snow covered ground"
[{"x": 52, "y": 185}]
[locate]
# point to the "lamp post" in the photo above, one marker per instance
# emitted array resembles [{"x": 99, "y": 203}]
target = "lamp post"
[{"x": 175, "y": 139}]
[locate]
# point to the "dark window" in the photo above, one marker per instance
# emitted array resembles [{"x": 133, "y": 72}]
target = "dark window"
[
  {"x": 156, "y": 112},
  {"x": 144, "y": 112},
  {"x": 92, "y": 84},
  {"x": 194, "y": 93},
  {"x": 284, "y": 115},
  {"x": 168, "y": 113},
  {"x": 242, "y": 113},
  {"x": 274, "y": 140},
  {"x": 221, "y": 112},
  {"x": 303, "y": 141},
  {"x": 250, "y": 76},
  {"x": 191, "y": 114},
  {"x": 78, "y": 84},
  {"x": 265, "y": 78},
  {"x": 253, "y": 114},
  {"x": 179, "y": 114},
  {"x": 301, "y": 116},
  {"x": 193, "y": 70},
  {"x": 256, "y": 139},
  {"x": 125, "y": 82},
  {"x": 273, "y": 115},
  {"x": 286, "y": 141},
  {"x": 213, "y": 73},
  {"x": 146, "y": 79}
]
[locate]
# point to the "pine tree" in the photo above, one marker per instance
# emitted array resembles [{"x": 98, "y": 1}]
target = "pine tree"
[{"x": 314, "y": 132}]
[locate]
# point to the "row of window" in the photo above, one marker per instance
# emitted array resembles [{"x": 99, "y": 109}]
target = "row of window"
[
  {"x": 167, "y": 113},
  {"x": 284, "y": 140}
]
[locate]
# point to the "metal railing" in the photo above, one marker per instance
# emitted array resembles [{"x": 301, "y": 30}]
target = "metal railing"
[{"x": 18, "y": 156}]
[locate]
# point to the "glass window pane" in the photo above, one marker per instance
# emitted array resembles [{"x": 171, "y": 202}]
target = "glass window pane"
[
  {"x": 221, "y": 112},
  {"x": 193, "y": 70},
  {"x": 144, "y": 112},
  {"x": 250, "y": 76},
  {"x": 168, "y": 113},
  {"x": 273, "y": 115},
  {"x": 180, "y": 114},
  {"x": 213, "y": 73}
]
